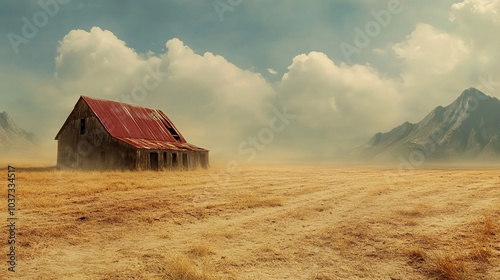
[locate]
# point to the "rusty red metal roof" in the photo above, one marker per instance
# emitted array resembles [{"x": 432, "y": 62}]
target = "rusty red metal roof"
[
  {"x": 141, "y": 127},
  {"x": 159, "y": 145}
]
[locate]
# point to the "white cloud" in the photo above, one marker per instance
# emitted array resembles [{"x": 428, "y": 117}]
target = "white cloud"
[
  {"x": 209, "y": 98},
  {"x": 434, "y": 69},
  {"x": 336, "y": 102},
  {"x": 95, "y": 62},
  {"x": 479, "y": 22},
  {"x": 485, "y": 8},
  {"x": 84, "y": 54},
  {"x": 430, "y": 51},
  {"x": 272, "y": 71}
]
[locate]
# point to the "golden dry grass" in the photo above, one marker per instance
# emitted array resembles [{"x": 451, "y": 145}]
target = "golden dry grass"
[
  {"x": 450, "y": 267},
  {"x": 183, "y": 268},
  {"x": 258, "y": 223},
  {"x": 200, "y": 250}
]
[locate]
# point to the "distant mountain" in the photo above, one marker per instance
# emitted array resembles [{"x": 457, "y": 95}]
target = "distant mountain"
[
  {"x": 13, "y": 138},
  {"x": 468, "y": 128}
]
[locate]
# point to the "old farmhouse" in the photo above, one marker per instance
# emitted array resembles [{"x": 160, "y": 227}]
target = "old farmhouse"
[{"x": 102, "y": 134}]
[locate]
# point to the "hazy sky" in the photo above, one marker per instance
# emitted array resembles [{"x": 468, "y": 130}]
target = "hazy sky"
[{"x": 224, "y": 71}]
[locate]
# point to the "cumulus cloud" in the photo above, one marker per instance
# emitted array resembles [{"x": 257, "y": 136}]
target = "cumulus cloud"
[
  {"x": 212, "y": 98},
  {"x": 95, "y": 62},
  {"x": 82, "y": 54},
  {"x": 434, "y": 68},
  {"x": 479, "y": 22},
  {"x": 487, "y": 10},
  {"x": 430, "y": 51},
  {"x": 336, "y": 102}
]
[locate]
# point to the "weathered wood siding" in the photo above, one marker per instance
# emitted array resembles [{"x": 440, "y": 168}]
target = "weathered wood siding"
[{"x": 95, "y": 149}]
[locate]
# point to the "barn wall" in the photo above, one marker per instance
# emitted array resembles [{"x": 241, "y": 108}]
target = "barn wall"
[{"x": 95, "y": 149}]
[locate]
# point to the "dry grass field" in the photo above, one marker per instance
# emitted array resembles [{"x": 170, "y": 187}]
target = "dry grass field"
[{"x": 270, "y": 222}]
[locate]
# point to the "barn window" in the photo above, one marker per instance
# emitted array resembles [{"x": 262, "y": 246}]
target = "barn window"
[{"x": 82, "y": 126}]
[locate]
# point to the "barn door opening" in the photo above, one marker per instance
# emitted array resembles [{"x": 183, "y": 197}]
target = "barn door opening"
[
  {"x": 174, "y": 160},
  {"x": 185, "y": 160},
  {"x": 203, "y": 161},
  {"x": 153, "y": 160}
]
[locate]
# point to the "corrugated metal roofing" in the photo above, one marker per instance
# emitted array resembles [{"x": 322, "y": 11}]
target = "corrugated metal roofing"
[
  {"x": 143, "y": 128},
  {"x": 159, "y": 145}
]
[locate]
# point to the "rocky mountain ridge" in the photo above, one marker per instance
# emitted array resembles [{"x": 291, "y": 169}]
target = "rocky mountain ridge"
[{"x": 468, "y": 128}]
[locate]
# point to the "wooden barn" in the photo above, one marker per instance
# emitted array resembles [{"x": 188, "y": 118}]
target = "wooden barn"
[{"x": 102, "y": 134}]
